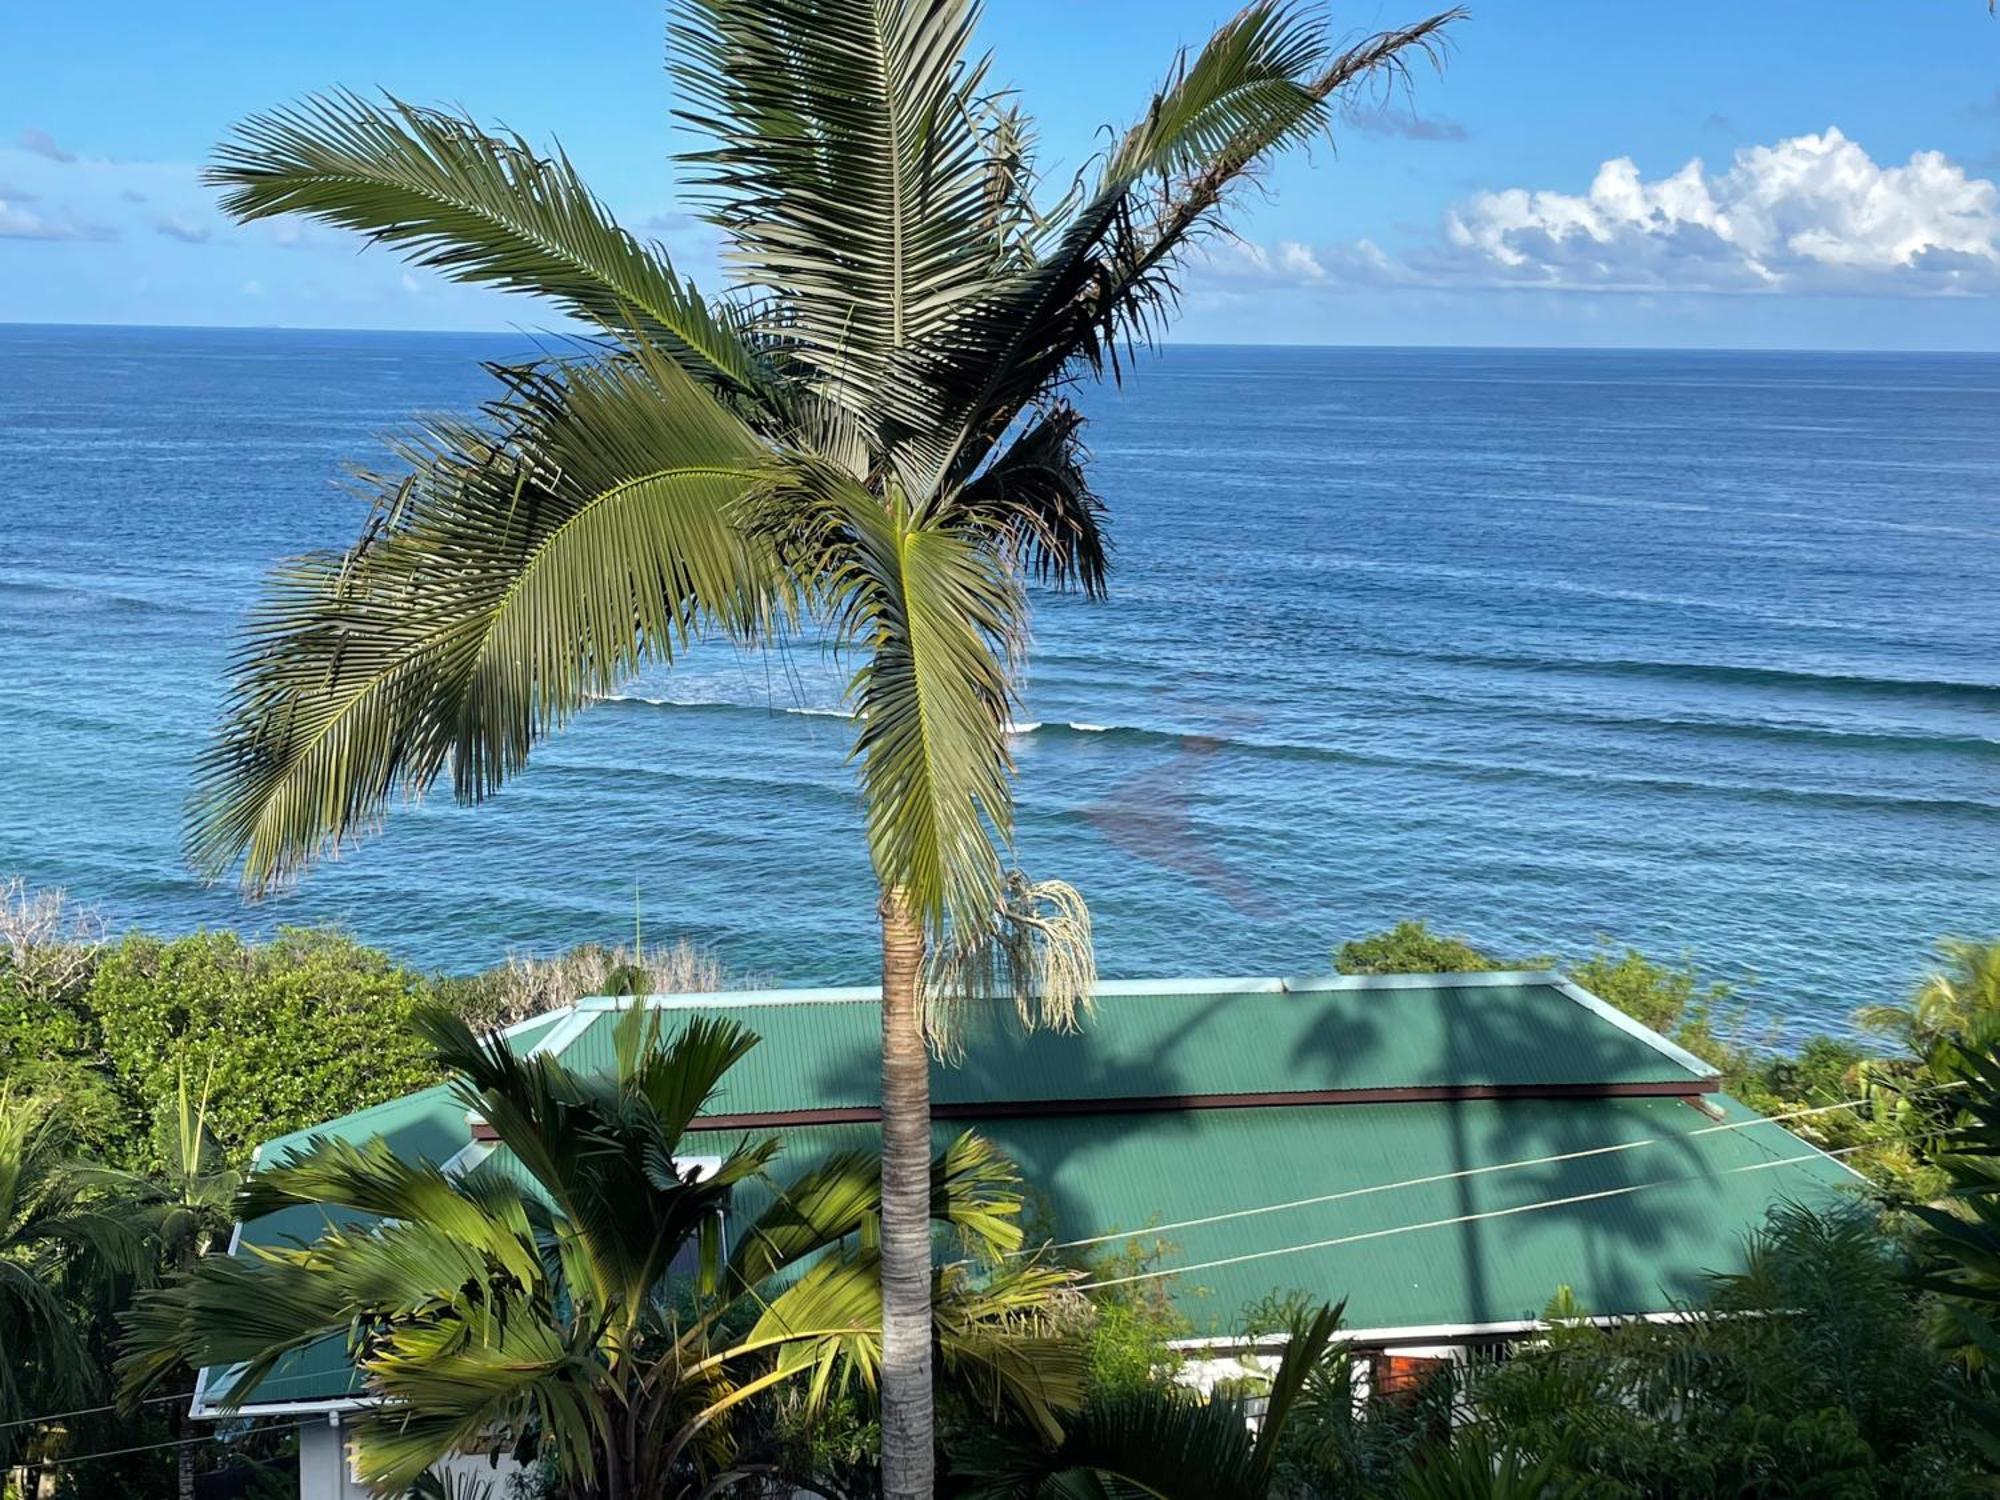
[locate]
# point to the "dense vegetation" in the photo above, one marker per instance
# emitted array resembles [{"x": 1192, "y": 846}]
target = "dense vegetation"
[{"x": 136, "y": 1074}]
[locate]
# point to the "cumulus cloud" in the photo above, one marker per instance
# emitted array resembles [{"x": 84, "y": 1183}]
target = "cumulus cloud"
[
  {"x": 18, "y": 222},
  {"x": 1385, "y": 119},
  {"x": 41, "y": 143},
  {"x": 174, "y": 227},
  {"x": 1812, "y": 213},
  {"x": 1288, "y": 262}
]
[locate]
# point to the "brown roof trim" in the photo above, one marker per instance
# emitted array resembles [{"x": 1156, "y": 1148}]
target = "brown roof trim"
[{"x": 1017, "y": 1109}]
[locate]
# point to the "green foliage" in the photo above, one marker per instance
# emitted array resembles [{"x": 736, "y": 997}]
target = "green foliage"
[
  {"x": 586, "y": 1307},
  {"x": 1469, "y": 1467},
  {"x": 291, "y": 1032},
  {"x": 1159, "y": 1440},
  {"x": 1412, "y": 948},
  {"x": 1671, "y": 998},
  {"x": 59, "y": 1234},
  {"x": 1806, "y": 1374},
  {"x": 1131, "y": 1327},
  {"x": 1958, "y": 1242}
]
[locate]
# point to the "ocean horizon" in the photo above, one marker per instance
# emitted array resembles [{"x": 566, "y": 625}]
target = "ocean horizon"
[{"x": 1688, "y": 650}]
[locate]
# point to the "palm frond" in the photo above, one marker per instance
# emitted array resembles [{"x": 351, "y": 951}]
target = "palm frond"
[
  {"x": 1038, "y": 952},
  {"x": 850, "y": 169},
  {"x": 1261, "y": 83},
  {"x": 1036, "y": 500},
  {"x": 477, "y": 207},
  {"x": 518, "y": 572},
  {"x": 938, "y": 618}
]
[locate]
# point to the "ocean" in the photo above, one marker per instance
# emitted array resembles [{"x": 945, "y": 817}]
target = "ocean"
[{"x": 1698, "y": 652}]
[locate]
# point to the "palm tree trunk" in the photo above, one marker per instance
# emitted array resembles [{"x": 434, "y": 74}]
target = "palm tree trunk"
[{"x": 907, "y": 1459}]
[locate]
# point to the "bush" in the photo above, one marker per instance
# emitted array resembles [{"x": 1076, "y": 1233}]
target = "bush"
[
  {"x": 298, "y": 1030},
  {"x": 1806, "y": 1374},
  {"x": 1412, "y": 948}
]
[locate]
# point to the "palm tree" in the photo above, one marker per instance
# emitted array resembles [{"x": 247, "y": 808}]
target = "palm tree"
[
  {"x": 573, "y": 1298},
  {"x": 868, "y": 435},
  {"x": 1959, "y": 1003},
  {"x": 56, "y": 1232},
  {"x": 63, "y": 1245}
]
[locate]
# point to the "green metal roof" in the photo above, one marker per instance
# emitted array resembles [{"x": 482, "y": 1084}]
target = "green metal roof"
[
  {"x": 1650, "y": 1193},
  {"x": 1151, "y": 1041},
  {"x": 1629, "y": 1230}
]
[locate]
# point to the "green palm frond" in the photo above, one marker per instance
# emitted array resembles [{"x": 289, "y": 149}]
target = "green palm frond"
[
  {"x": 455, "y": 1384},
  {"x": 937, "y": 617},
  {"x": 519, "y": 571},
  {"x": 477, "y": 207},
  {"x": 848, "y": 167},
  {"x": 1260, "y": 84},
  {"x": 995, "y": 1344}
]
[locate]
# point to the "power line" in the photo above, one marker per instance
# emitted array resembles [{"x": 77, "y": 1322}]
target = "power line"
[
  {"x": 85, "y": 1411},
  {"x": 79, "y": 1458},
  {"x": 1437, "y": 1177},
  {"x": 1494, "y": 1213}
]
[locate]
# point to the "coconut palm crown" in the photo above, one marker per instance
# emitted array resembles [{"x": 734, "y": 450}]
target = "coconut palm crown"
[{"x": 868, "y": 435}]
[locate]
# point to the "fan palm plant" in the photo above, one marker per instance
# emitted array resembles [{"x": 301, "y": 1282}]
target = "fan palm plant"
[
  {"x": 868, "y": 435},
  {"x": 570, "y": 1295},
  {"x": 58, "y": 1230}
]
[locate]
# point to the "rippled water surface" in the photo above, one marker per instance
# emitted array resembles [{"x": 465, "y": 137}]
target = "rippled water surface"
[{"x": 1696, "y": 650}]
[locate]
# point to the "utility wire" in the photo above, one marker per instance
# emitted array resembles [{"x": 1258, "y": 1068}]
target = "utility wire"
[
  {"x": 1493, "y": 1213},
  {"x": 85, "y": 1411},
  {"x": 78, "y": 1458},
  {"x": 1436, "y": 1177}
]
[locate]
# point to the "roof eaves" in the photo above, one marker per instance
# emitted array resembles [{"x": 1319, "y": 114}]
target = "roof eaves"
[
  {"x": 565, "y": 1031},
  {"x": 1605, "y": 1011},
  {"x": 1486, "y": 979}
]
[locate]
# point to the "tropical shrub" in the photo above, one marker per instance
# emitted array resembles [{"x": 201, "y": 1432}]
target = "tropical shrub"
[
  {"x": 292, "y": 1032},
  {"x": 1411, "y": 947},
  {"x": 1161, "y": 1440},
  {"x": 1808, "y": 1373}
]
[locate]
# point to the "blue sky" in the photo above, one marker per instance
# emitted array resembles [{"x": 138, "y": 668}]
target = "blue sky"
[{"x": 1841, "y": 193}]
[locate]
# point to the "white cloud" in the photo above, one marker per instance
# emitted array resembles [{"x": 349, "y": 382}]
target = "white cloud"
[
  {"x": 1813, "y": 213},
  {"x": 174, "y": 227},
  {"x": 1288, "y": 262},
  {"x": 41, "y": 143},
  {"x": 18, "y": 222}
]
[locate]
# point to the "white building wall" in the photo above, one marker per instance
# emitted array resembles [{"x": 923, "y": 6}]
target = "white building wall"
[{"x": 326, "y": 1472}]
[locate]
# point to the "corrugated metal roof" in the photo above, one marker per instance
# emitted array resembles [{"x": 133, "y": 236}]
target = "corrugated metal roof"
[
  {"x": 1691, "y": 1207},
  {"x": 1205, "y": 1038},
  {"x": 428, "y": 1125},
  {"x": 1691, "y": 1204}
]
